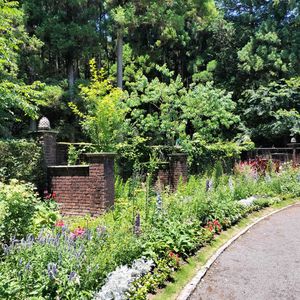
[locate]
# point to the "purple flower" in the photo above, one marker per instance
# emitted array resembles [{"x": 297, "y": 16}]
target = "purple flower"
[
  {"x": 27, "y": 266},
  {"x": 137, "y": 225},
  {"x": 209, "y": 185},
  {"x": 72, "y": 275},
  {"x": 158, "y": 202},
  {"x": 52, "y": 270}
]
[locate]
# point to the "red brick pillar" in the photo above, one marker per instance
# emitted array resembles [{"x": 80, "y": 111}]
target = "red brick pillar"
[
  {"x": 62, "y": 153},
  {"x": 162, "y": 176},
  {"x": 178, "y": 169},
  {"x": 103, "y": 179}
]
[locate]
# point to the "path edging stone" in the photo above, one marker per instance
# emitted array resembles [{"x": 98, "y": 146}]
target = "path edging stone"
[{"x": 191, "y": 286}]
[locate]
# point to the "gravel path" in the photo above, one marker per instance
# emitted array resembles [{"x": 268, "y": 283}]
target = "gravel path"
[{"x": 263, "y": 264}]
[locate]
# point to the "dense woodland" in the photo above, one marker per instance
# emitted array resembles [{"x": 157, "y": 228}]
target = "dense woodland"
[{"x": 125, "y": 74}]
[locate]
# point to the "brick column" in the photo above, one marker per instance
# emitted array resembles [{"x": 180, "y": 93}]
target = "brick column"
[
  {"x": 103, "y": 178},
  {"x": 62, "y": 153},
  {"x": 47, "y": 139},
  {"x": 178, "y": 169},
  {"x": 162, "y": 178}
]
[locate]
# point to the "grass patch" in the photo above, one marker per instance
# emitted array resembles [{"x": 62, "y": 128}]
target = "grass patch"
[{"x": 183, "y": 276}]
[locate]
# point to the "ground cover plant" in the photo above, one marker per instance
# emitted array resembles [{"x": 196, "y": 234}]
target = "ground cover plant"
[{"x": 78, "y": 257}]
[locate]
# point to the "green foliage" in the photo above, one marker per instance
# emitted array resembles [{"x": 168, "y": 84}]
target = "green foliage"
[
  {"x": 276, "y": 105},
  {"x": 104, "y": 111},
  {"x": 45, "y": 216},
  {"x": 60, "y": 263},
  {"x": 75, "y": 152},
  {"x": 22, "y": 212},
  {"x": 218, "y": 172},
  {"x": 22, "y": 160},
  {"x": 67, "y": 37},
  {"x": 210, "y": 111},
  {"x": 164, "y": 112},
  {"x": 17, "y": 207},
  {"x": 17, "y": 98}
]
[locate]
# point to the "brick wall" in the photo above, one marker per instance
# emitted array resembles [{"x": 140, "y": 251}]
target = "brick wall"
[
  {"x": 163, "y": 176},
  {"x": 169, "y": 174},
  {"x": 87, "y": 189},
  {"x": 62, "y": 153},
  {"x": 178, "y": 169}
]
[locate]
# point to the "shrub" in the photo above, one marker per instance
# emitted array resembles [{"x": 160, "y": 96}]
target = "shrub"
[
  {"x": 22, "y": 160},
  {"x": 20, "y": 209},
  {"x": 18, "y": 206}
]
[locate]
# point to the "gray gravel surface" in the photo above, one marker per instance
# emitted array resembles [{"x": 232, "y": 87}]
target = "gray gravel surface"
[{"x": 263, "y": 264}]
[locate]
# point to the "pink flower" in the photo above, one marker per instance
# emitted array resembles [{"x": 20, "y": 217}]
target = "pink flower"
[{"x": 77, "y": 232}]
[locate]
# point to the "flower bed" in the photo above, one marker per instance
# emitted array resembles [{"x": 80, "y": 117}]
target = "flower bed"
[{"x": 79, "y": 257}]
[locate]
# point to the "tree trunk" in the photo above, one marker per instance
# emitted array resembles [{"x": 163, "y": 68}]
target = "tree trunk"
[
  {"x": 71, "y": 76},
  {"x": 120, "y": 59}
]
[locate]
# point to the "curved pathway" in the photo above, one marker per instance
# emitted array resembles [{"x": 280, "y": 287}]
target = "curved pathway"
[{"x": 263, "y": 264}]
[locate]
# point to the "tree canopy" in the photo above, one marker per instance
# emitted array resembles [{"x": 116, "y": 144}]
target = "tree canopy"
[{"x": 192, "y": 72}]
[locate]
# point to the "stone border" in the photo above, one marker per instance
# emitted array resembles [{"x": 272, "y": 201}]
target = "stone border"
[{"x": 191, "y": 286}]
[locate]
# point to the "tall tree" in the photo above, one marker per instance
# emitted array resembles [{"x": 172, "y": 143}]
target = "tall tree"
[
  {"x": 16, "y": 97},
  {"x": 71, "y": 32},
  {"x": 170, "y": 32}
]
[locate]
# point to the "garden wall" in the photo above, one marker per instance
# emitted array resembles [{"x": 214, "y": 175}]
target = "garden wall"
[
  {"x": 86, "y": 189},
  {"x": 172, "y": 172},
  {"x": 80, "y": 189},
  {"x": 89, "y": 189},
  {"x": 283, "y": 154}
]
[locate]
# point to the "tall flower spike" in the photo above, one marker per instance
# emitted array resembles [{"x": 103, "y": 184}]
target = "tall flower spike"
[
  {"x": 52, "y": 270},
  {"x": 158, "y": 202},
  {"x": 209, "y": 185},
  {"x": 137, "y": 225}
]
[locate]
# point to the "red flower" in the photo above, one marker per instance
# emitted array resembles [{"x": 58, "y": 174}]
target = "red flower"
[
  {"x": 59, "y": 223},
  {"x": 174, "y": 257},
  {"x": 49, "y": 196}
]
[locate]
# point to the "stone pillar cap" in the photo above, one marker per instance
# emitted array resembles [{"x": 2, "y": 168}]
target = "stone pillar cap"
[
  {"x": 44, "y": 124},
  {"x": 100, "y": 154},
  {"x": 178, "y": 154}
]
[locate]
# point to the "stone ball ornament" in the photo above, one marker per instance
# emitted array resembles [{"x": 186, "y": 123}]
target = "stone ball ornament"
[{"x": 44, "y": 124}]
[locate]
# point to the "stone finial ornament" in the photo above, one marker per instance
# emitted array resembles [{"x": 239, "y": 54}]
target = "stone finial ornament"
[
  {"x": 44, "y": 124},
  {"x": 293, "y": 140}
]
